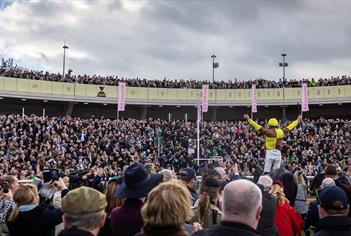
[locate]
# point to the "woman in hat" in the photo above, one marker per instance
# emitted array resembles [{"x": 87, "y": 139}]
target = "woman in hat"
[
  {"x": 287, "y": 220},
  {"x": 126, "y": 220},
  {"x": 206, "y": 210}
]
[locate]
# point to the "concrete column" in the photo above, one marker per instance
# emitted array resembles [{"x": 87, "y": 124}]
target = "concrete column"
[
  {"x": 214, "y": 114},
  {"x": 284, "y": 112},
  {"x": 68, "y": 109},
  {"x": 144, "y": 112}
]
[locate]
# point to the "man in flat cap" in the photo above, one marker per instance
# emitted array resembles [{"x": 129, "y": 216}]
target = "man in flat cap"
[{"x": 83, "y": 212}]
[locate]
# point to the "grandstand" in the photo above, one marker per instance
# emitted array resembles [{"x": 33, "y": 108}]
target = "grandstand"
[
  {"x": 85, "y": 100},
  {"x": 175, "y": 118}
]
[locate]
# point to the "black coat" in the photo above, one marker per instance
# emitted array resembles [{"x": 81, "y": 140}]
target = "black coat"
[
  {"x": 312, "y": 217},
  {"x": 39, "y": 221},
  {"x": 266, "y": 226},
  {"x": 227, "y": 229},
  {"x": 334, "y": 226},
  {"x": 106, "y": 230},
  {"x": 74, "y": 232},
  {"x": 345, "y": 185}
]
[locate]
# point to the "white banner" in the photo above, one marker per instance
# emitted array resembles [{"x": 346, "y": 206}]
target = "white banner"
[
  {"x": 122, "y": 88},
  {"x": 253, "y": 99},
  {"x": 199, "y": 112},
  {"x": 304, "y": 98},
  {"x": 205, "y": 88}
]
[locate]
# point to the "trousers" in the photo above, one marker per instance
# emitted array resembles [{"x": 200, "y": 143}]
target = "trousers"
[{"x": 273, "y": 157}]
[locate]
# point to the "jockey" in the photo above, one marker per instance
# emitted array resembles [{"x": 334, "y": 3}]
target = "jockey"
[{"x": 274, "y": 140}]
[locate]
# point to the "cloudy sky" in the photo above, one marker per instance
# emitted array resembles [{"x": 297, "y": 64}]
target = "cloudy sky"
[{"x": 175, "y": 38}]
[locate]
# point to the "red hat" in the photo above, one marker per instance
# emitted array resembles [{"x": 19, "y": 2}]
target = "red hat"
[{"x": 278, "y": 182}]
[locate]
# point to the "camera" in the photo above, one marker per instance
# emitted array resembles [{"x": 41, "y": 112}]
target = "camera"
[{"x": 50, "y": 175}]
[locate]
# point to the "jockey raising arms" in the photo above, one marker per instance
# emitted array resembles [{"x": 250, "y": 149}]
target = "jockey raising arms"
[{"x": 274, "y": 140}]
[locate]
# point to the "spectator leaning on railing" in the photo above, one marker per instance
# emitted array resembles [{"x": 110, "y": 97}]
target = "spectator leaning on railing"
[{"x": 165, "y": 83}]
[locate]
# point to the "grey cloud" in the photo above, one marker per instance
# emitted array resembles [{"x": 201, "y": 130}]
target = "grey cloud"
[{"x": 176, "y": 38}]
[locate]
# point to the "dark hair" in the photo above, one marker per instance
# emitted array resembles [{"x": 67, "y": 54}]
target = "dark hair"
[
  {"x": 6, "y": 181},
  {"x": 290, "y": 186}
]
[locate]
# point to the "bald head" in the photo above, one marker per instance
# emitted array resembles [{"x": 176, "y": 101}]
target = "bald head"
[
  {"x": 265, "y": 181},
  {"x": 242, "y": 202},
  {"x": 327, "y": 182},
  {"x": 167, "y": 175}
]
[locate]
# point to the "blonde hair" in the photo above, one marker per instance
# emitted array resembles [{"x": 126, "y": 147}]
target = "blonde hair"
[
  {"x": 167, "y": 208},
  {"x": 203, "y": 210},
  {"x": 300, "y": 179},
  {"x": 278, "y": 192},
  {"x": 25, "y": 194},
  {"x": 111, "y": 197}
]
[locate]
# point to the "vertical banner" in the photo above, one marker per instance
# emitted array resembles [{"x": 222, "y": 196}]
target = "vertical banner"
[
  {"x": 121, "y": 95},
  {"x": 253, "y": 99},
  {"x": 199, "y": 112},
  {"x": 205, "y": 88},
  {"x": 304, "y": 98}
]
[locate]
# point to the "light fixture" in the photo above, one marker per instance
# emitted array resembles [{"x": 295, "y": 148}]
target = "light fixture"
[
  {"x": 1, "y": 98},
  {"x": 178, "y": 106},
  {"x": 105, "y": 104},
  {"x": 160, "y": 106},
  {"x": 266, "y": 106},
  {"x": 23, "y": 99},
  {"x": 86, "y": 103},
  {"x": 339, "y": 104},
  {"x": 231, "y": 106},
  {"x": 321, "y": 104},
  {"x": 45, "y": 100}
]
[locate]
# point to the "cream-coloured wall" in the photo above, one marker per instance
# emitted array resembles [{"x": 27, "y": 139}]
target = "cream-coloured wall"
[{"x": 215, "y": 95}]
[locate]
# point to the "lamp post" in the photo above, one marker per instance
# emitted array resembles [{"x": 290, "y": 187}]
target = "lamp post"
[
  {"x": 283, "y": 64},
  {"x": 214, "y": 65},
  {"x": 64, "y": 59}
]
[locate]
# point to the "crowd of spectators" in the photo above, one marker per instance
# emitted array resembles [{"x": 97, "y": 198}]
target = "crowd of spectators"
[
  {"x": 32, "y": 143},
  {"x": 106, "y": 177},
  {"x": 16, "y": 72},
  {"x": 146, "y": 203}
]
